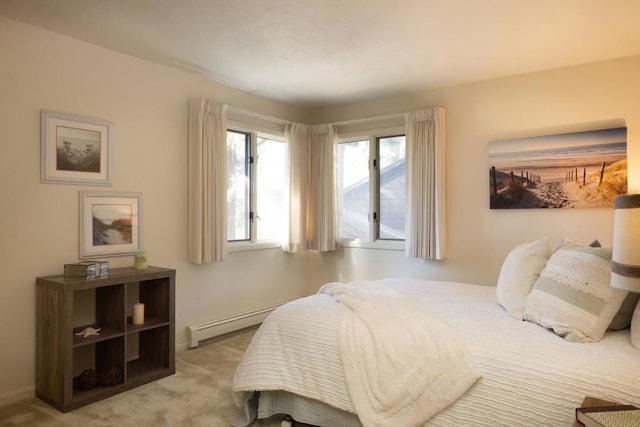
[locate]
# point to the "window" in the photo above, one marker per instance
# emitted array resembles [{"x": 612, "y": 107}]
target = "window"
[
  {"x": 271, "y": 191},
  {"x": 392, "y": 194},
  {"x": 371, "y": 188},
  {"x": 255, "y": 187},
  {"x": 238, "y": 186},
  {"x": 352, "y": 169}
]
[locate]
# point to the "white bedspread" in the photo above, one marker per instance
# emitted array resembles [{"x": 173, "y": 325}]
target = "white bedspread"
[
  {"x": 529, "y": 376},
  {"x": 402, "y": 364},
  {"x": 296, "y": 350}
]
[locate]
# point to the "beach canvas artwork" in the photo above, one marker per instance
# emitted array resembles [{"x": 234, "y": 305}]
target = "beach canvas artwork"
[{"x": 572, "y": 170}]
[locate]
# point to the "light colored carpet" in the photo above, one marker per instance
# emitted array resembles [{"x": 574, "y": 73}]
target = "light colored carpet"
[{"x": 199, "y": 394}]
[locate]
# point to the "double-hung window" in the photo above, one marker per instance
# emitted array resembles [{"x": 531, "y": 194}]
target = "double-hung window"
[
  {"x": 370, "y": 178},
  {"x": 255, "y": 189}
]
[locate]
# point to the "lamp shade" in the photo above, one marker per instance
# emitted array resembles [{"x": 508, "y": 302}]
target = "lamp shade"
[{"x": 625, "y": 263}]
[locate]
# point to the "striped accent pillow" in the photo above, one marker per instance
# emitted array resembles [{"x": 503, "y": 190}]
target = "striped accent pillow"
[{"x": 573, "y": 295}]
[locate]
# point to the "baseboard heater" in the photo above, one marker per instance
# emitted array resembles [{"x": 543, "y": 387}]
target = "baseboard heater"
[{"x": 203, "y": 331}]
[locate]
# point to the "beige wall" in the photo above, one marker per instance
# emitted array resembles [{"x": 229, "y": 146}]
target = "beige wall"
[
  {"x": 577, "y": 98},
  {"x": 147, "y": 105}
]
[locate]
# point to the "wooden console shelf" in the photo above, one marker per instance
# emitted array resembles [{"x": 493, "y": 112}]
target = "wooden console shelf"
[{"x": 141, "y": 353}]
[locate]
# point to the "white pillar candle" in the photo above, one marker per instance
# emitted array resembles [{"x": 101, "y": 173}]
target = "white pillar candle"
[{"x": 138, "y": 313}]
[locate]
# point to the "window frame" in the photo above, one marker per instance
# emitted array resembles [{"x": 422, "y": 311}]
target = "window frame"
[
  {"x": 252, "y": 243},
  {"x": 373, "y": 136},
  {"x": 250, "y": 172}
]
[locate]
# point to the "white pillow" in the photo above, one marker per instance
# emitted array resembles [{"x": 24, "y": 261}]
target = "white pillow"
[
  {"x": 564, "y": 243},
  {"x": 573, "y": 295},
  {"x": 635, "y": 327},
  {"x": 519, "y": 272}
]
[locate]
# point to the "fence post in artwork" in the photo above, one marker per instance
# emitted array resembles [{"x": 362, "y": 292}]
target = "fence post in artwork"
[
  {"x": 522, "y": 179},
  {"x": 513, "y": 181},
  {"x": 601, "y": 174},
  {"x": 493, "y": 180},
  {"x": 584, "y": 177}
]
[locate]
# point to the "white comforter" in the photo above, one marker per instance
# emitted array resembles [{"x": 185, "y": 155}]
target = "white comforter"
[
  {"x": 530, "y": 377},
  {"x": 401, "y": 364}
]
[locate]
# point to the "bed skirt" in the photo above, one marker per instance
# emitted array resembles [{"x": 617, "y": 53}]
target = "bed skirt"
[{"x": 265, "y": 404}]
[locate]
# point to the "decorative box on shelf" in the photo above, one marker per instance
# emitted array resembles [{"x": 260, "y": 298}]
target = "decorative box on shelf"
[{"x": 87, "y": 269}]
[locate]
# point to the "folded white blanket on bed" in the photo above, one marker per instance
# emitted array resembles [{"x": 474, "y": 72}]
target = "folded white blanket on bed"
[{"x": 402, "y": 365}]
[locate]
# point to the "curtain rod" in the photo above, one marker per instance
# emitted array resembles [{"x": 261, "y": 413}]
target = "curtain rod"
[
  {"x": 368, "y": 119},
  {"x": 287, "y": 122},
  {"x": 260, "y": 116}
]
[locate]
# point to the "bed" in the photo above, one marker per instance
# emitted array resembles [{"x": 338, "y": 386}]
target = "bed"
[{"x": 528, "y": 375}]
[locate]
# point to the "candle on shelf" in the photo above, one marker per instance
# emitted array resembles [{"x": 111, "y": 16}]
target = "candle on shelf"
[
  {"x": 138, "y": 313},
  {"x": 140, "y": 260}
]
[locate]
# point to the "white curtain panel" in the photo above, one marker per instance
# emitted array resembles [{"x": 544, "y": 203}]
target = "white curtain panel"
[
  {"x": 425, "y": 174},
  {"x": 312, "y": 206},
  {"x": 207, "y": 219}
]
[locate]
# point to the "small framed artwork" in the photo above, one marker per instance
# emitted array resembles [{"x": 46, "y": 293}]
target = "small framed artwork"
[
  {"x": 75, "y": 149},
  {"x": 110, "y": 224}
]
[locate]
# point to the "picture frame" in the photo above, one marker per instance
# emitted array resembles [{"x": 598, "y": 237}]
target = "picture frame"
[
  {"x": 75, "y": 149},
  {"x": 110, "y": 223},
  {"x": 585, "y": 169}
]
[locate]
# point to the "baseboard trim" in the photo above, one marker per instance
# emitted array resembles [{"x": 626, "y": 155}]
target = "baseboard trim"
[{"x": 203, "y": 331}]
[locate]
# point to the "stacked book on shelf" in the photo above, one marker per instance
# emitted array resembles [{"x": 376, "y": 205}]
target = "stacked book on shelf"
[{"x": 87, "y": 269}]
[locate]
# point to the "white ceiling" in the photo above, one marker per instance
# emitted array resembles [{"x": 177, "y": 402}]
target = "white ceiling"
[{"x": 323, "y": 52}]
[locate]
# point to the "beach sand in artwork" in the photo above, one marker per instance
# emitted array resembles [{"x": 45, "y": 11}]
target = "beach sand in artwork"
[{"x": 559, "y": 187}]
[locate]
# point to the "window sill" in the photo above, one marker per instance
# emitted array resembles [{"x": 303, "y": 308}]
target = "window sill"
[
  {"x": 388, "y": 245},
  {"x": 248, "y": 246}
]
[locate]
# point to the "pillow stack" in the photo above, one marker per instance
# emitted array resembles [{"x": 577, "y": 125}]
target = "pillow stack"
[{"x": 567, "y": 290}]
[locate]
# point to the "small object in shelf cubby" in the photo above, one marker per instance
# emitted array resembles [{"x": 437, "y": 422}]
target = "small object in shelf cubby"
[
  {"x": 138, "y": 314},
  {"x": 88, "y": 379},
  {"x": 111, "y": 377},
  {"x": 88, "y": 331}
]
